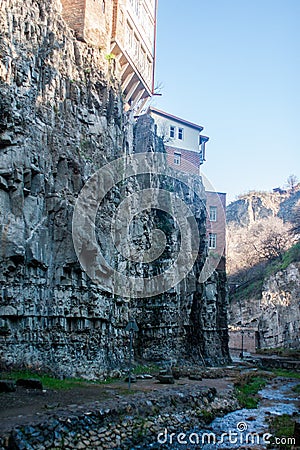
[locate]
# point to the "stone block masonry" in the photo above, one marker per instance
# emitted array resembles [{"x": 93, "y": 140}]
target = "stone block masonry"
[
  {"x": 105, "y": 425},
  {"x": 62, "y": 118}
]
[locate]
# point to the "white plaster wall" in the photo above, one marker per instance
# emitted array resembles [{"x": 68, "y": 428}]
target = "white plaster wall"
[{"x": 190, "y": 135}]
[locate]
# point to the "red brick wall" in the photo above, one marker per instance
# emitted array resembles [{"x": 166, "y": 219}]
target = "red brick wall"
[
  {"x": 235, "y": 341},
  {"x": 190, "y": 161},
  {"x": 89, "y": 21},
  {"x": 115, "y": 17},
  {"x": 218, "y": 227},
  {"x": 73, "y": 12}
]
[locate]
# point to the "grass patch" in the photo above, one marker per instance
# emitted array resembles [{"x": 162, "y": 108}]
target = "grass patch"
[
  {"x": 290, "y": 256},
  {"x": 282, "y": 427},
  {"x": 149, "y": 368},
  {"x": 247, "y": 386},
  {"x": 50, "y": 382},
  {"x": 286, "y": 373},
  {"x": 252, "y": 289}
]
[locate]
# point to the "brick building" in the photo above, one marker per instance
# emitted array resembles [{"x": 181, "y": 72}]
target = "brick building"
[
  {"x": 216, "y": 225},
  {"x": 185, "y": 147},
  {"x": 243, "y": 340},
  {"x": 124, "y": 30}
]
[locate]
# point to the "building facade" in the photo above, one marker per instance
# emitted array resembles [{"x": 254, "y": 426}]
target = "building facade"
[
  {"x": 216, "y": 225},
  {"x": 185, "y": 146},
  {"x": 125, "y": 31}
]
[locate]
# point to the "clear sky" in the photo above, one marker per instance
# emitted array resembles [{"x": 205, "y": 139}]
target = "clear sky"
[{"x": 233, "y": 66}]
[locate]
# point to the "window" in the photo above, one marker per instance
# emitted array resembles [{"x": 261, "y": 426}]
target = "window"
[
  {"x": 213, "y": 213},
  {"x": 177, "y": 159},
  {"x": 212, "y": 242},
  {"x": 180, "y": 133},
  {"x": 172, "y": 131}
]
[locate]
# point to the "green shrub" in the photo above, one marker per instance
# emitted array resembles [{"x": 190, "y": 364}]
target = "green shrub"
[{"x": 247, "y": 386}]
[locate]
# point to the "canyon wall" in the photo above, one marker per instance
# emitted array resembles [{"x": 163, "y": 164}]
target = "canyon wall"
[
  {"x": 270, "y": 319},
  {"x": 61, "y": 120}
]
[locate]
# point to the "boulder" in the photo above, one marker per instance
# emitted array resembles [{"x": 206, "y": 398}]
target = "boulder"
[{"x": 166, "y": 379}]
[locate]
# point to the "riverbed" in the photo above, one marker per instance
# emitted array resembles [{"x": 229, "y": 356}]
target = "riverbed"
[{"x": 243, "y": 428}]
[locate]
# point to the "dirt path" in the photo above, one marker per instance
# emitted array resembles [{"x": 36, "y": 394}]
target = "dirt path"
[{"x": 26, "y": 406}]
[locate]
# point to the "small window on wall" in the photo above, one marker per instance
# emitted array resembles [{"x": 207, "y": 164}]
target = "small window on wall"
[
  {"x": 213, "y": 213},
  {"x": 177, "y": 159},
  {"x": 172, "y": 131},
  {"x": 180, "y": 133},
  {"x": 212, "y": 241}
]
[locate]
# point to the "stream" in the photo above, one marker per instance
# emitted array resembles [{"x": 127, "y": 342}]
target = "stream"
[{"x": 244, "y": 428}]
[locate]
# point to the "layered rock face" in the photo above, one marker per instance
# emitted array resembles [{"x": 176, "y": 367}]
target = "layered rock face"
[
  {"x": 61, "y": 120},
  {"x": 255, "y": 206},
  {"x": 275, "y": 314},
  {"x": 279, "y": 324}
]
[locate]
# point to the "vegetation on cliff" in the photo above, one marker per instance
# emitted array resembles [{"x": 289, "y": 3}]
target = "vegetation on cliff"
[{"x": 263, "y": 255}]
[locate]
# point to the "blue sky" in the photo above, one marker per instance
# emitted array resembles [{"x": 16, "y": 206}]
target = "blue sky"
[{"x": 233, "y": 66}]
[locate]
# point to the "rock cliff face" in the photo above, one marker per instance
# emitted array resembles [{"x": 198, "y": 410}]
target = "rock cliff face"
[
  {"x": 279, "y": 323},
  {"x": 267, "y": 307},
  {"x": 61, "y": 119},
  {"x": 254, "y": 206},
  {"x": 275, "y": 314}
]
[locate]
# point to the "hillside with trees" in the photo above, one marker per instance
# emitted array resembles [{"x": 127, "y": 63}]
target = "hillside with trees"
[{"x": 263, "y": 264}]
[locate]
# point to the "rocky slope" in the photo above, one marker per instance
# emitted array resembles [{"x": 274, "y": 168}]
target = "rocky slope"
[
  {"x": 264, "y": 295},
  {"x": 61, "y": 120},
  {"x": 269, "y": 314},
  {"x": 254, "y": 206},
  {"x": 279, "y": 322}
]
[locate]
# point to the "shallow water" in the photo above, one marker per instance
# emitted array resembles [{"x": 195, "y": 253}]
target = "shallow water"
[{"x": 244, "y": 427}]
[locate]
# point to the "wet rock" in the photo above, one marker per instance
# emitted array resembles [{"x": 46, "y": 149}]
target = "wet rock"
[{"x": 166, "y": 379}]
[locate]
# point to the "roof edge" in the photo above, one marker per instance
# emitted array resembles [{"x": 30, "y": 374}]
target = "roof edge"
[{"x": 178, "y": 119}]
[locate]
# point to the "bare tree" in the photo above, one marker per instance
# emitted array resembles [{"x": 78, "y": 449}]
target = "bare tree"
[
  {"x": 292, "y": 181},
  {"x": 270, "y": 238},
  {"x": 164, "y": 131},
  {"x": 264, "y": 240}
]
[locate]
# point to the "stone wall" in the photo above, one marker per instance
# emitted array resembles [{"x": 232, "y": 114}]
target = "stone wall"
[
  {"x": 61, "y": 120},
  {"x": 131, "y": 422}
]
